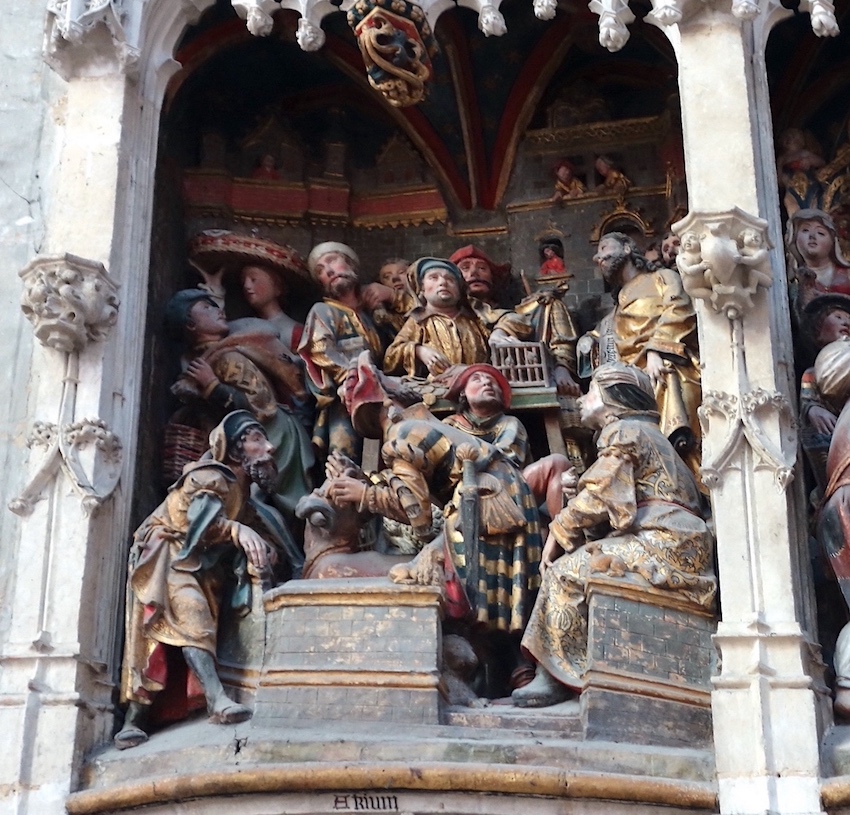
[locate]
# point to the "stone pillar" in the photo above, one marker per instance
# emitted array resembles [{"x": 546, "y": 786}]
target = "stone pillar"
[
  {"x": 765, "y": 702},
  {"x": 84, "y": 292}
]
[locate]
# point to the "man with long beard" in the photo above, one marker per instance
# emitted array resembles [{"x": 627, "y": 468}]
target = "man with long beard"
[
  {"x": 336, "y": 331},
  {"x": 653, "y": 326},
  {"x": 201, "y": 538}
]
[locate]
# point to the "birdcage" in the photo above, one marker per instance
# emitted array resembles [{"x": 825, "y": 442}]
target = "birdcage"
[{"x": 523, "y": 364}]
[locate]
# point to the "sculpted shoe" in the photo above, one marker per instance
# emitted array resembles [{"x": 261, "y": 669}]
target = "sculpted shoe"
[
  {"x": 542, "y": 691},
  {"x": 131, "y": 736},
  {"x": 226, "y": 711}
]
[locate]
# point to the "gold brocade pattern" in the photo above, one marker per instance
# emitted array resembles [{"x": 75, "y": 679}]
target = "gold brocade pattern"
[
  {"x": 461, "y": 339},
  {"x": 639, "y": 504}
]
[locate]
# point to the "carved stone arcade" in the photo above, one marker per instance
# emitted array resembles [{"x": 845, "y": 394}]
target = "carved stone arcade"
[{"x": 55, "y": 687}]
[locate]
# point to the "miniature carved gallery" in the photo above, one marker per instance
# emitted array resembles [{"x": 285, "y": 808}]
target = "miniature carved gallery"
[{"x": 469, "y": 384}]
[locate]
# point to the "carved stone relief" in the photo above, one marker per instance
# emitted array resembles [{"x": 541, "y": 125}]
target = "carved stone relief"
[
  {"x": 69, "y": 300},
  {"x": 724, "y": 259}
]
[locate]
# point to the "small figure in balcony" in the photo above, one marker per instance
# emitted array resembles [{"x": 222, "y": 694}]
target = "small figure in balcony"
[
  {"x": 637, "y": 515},
  {"x": 566, "y": 183}
]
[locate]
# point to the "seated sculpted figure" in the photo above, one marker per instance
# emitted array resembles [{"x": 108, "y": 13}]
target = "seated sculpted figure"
[
  {"x": 225, "y": 372},
  {"x": 443, "y": 331},
  {"x": 206, "y": 534},
  {"x": 425, "y": 465},
  {"x": 637, "y": 513}
]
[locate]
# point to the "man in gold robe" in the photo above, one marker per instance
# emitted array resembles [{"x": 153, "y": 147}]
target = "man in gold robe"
[
  {"x": 443, "y": 331},
  {"x": 203, "y": 536},
  {"x": 653, "y": 326},
  {"x": 638, "y": 508},
  {"x": 336, "y": 331}
]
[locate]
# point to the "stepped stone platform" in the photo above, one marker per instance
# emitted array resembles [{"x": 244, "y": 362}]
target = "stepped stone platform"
[{"x": 350, "y": 715}]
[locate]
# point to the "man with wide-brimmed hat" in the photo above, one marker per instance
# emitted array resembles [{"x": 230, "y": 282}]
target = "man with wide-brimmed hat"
[
  {"x": 268, "y": 273},
  {"x": 202, "y": 537},
  {"x": 336, "y": 331},
  {"x": 251, "y": 371}
]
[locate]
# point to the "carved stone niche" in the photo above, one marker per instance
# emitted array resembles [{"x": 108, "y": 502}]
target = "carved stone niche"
[
  {"x": 69, "y": 300},
  {"x": 724, "y": 259}
]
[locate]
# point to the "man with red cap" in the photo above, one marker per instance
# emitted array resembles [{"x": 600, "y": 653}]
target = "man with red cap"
[
  {"x": 484, "y": 279},
  {"x": 425, "y": 466}
]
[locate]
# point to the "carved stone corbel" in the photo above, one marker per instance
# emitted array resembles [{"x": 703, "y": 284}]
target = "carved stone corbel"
[
  {"x": 822, "y": 14},
  {"x": 614, "y": 18},
  {"x": 724, "y": 259},
  {"x": 257, "y": 15},
  {"x": 69, "y": 300},
  {"x": 70, "y": 22},
  {"x": 87, "y": 451}
]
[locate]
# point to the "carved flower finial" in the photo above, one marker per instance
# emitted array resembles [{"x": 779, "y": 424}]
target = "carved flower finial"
[{"x": 614, "y": 17}]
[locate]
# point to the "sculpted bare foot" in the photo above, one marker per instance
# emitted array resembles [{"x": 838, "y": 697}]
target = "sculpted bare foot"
[{"x": 226, "y": 711}]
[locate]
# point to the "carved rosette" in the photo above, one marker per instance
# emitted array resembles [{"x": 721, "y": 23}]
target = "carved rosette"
[
  {"x": 724, "y": 259},
  {"x": 87, "y": 451},
  {"x": 69, "y": 300}
]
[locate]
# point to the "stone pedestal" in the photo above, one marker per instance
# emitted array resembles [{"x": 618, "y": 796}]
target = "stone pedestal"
[
  {"x": 352, "y": 649},
  {"x": 650, "y": 661}
]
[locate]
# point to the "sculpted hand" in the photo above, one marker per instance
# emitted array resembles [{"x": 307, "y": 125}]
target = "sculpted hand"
[
  {"x": 200, "y": 370},
  {"x": 339, "y": 464},
  {"x": 432, "y": 359},
  {"x": 346, "y": 490},
  {"x": 377, "y": 294},
  {"x": 564, "y": 382},
  {"x": 551, "y": 552},
  {"x": 259, "y": 555},
  {"x": 655, "y": 368},
  {"x": 822, "y": 420},
  {"x": 501, "y": 337}
]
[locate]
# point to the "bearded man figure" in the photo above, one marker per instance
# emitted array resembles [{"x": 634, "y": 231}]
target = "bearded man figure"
[
  {"x": 653, "y": 326},
  {"x": 336, "y": 331},
  {"x": 201, "y": 538}
]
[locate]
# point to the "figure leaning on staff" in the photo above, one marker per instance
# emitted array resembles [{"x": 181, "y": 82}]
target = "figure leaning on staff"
[{"x": 202, "y": 537}]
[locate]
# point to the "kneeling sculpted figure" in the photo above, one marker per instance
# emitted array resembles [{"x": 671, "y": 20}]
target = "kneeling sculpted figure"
[
  {"x": 636, "y": 514},
  {"x": 180, "y": 561}
]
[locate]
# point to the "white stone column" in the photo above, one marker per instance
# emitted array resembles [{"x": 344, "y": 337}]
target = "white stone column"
[
  {"x": 84, "y": 291},
  {"x": 765, "y": 703}
]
